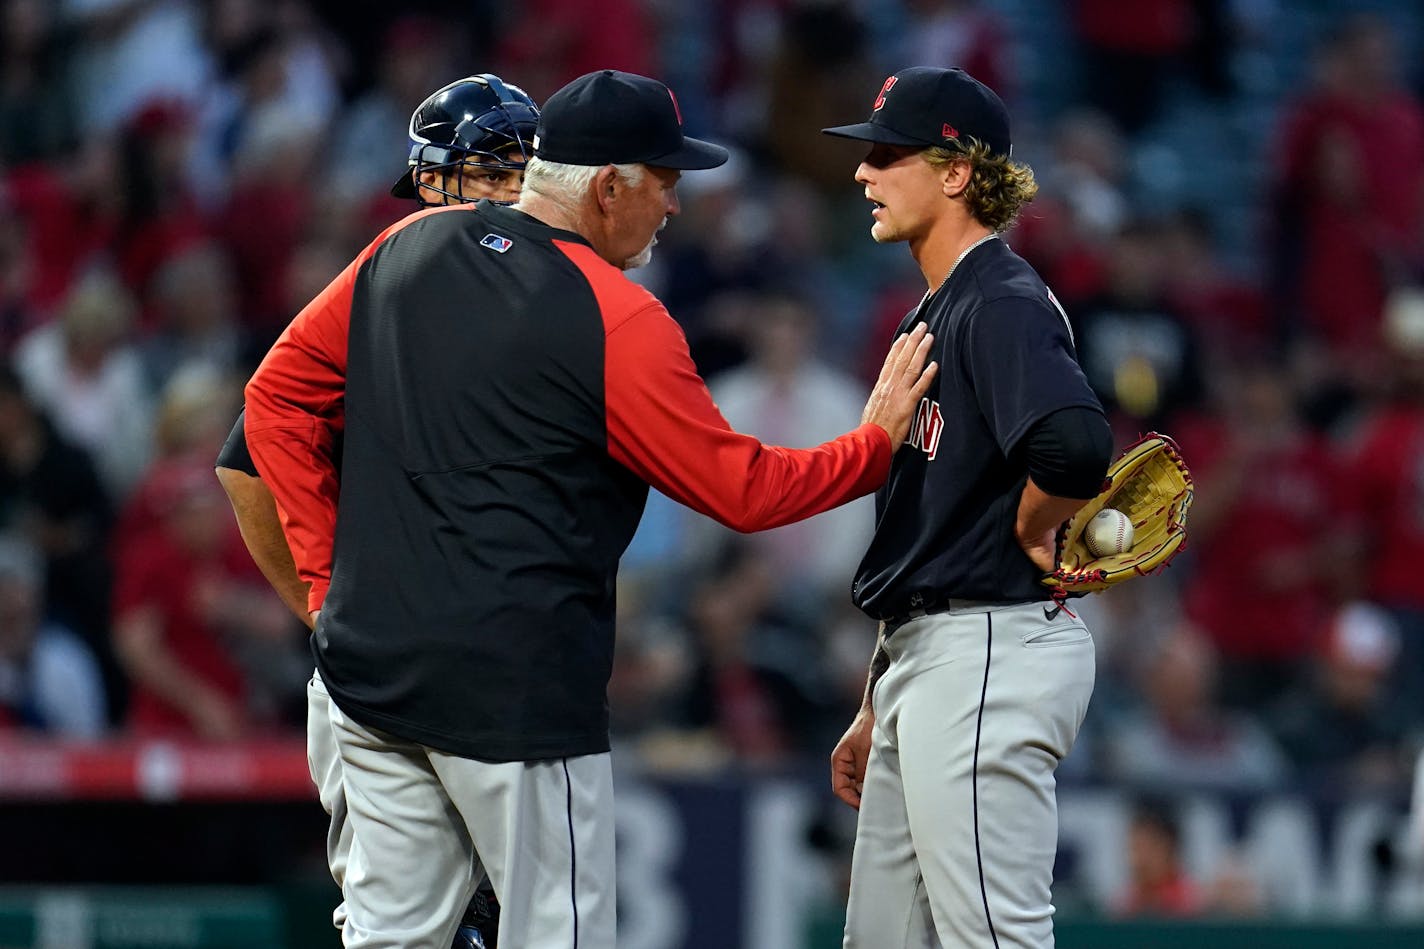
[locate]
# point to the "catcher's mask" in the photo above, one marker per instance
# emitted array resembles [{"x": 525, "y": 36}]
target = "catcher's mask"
[{"x": 479, "y": 120}]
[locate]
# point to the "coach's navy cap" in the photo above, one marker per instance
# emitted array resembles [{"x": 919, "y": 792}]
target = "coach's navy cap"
[
  {"x": 927, "y": 105},
  {"x": 618, "y": 118}
]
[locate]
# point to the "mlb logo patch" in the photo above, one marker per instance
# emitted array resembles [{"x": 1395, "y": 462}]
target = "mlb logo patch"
[{"x": 496, "y": 243}]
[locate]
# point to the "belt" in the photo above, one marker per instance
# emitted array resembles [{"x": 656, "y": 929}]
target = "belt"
[{"x": 928, "y": 607}]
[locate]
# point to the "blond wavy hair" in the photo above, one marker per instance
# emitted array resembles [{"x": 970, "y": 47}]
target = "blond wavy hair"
[{"x": 999, "y": 187}]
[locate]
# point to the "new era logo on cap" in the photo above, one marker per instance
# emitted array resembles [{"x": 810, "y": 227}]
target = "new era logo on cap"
[{"x": 932, "y": 106}]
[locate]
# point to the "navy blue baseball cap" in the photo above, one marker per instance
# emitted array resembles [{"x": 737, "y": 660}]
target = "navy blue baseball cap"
[
  {"x": 927, "y": 105},
  {"x": 610, "y": 117}
]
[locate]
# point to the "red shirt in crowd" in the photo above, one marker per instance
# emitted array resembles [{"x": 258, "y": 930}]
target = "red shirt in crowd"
[
  {"x": 1255, "y": 586},
  {"x": 158, "y": 571},
  {"x": 1354, "y": 172},
  {"x": 1388, "y": 480}
]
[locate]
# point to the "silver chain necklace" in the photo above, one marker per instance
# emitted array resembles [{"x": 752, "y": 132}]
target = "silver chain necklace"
[{"x": 952, "y": 267}]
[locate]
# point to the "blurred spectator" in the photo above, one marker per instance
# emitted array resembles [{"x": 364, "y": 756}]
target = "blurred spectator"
[
  {"x": 1266, "y": 533},
  {"x": 1227, "y": 313},
  {"x": 49, "y": 680},
  {"x": 51, "y": 495},
  {"x": 313, "y": 265},
  {"x": 545, "y": 43},
  {"x": 37, "y": 114},
  {"x": 1082, "y": 203},
  {"x": 650, "y": 664},
  {"x": 57, "y": 221},
  {"x": 1349, "y": 194},
  {"x": 315, "y": 58},
  {"x": 722, "y": 249},
  {"x": 16, "y": 257},
  {"x": 267, "y": 215},
  {"x": 189, "y": 603},
  {"x": 1086, "y": 173},
  {"x": 1182, "y": 739},
  {"x": 195, "y": 305},
  {"x": 1130, "y": 58},
  {"x": 752, "y": 680},
  {"x": 1137, "y": 350},
  {"x": 1126, "y": 621},
  {"x": 84, "y": 372},
  {"x": 417, "y": 56},
  {"x": 1340, "y": 726},
  {"x": 887, "y": 311},
  {"x": 785, "y": 395},
  {"x": 1413, "y": 850},
  {"x": 273, "y": 70},
  {"x": 192, "y": 420},
  {"x": 1385, "y": 468},
  {"x": 158, "y": 215},
  {"x": 963, "y": 33},
  {"x": 196, "y": 413},
  {"x": 818, "y": 73},
  {"x": 257, "y": 154},
  {"x": 132, "y": 51},
  {"x": 1158, "y": 884},
  {"x": 845, "y": 634}
]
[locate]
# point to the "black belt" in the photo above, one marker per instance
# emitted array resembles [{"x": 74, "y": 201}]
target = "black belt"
[
  {"x": 937, "y": 604},
  {"x": 928, "y": 606}
]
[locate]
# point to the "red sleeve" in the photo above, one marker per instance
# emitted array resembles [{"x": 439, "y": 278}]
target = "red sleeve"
[
  {"x": 295, "y": 408},
  {"x": 664, "y": 426}
]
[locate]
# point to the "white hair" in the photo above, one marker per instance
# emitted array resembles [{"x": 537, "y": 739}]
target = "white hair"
[{"x": 567, "y": 184}]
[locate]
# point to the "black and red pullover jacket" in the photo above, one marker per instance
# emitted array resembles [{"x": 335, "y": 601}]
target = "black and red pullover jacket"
[{"x": 506, "y": 397}]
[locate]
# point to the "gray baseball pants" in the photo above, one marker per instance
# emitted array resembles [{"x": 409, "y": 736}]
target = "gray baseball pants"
[
  {"x": 325, "y": 764},
  {"x": 423, "y": 827},
  {"x": 958, "y": 823}
]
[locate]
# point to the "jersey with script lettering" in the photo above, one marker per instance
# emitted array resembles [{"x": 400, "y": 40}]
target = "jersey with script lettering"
[
  {"x": 945, "y": 518},
  {"x": 505, "y": 398}
]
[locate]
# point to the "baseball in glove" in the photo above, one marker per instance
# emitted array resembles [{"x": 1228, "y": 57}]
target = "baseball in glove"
[{"x": 1150, "y": 483}]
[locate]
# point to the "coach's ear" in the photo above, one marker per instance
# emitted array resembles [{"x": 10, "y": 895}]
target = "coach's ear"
[{"x": 607, "y": 186}]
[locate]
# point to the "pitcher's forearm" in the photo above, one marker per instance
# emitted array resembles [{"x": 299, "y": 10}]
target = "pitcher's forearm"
[
  {"x": 1040, "y": 512},
  {"x": 879, "y": 662}
]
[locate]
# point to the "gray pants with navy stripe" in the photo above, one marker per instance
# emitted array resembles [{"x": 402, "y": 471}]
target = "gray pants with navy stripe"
[
  {"x": 423, "y": 821},
  {"x": 958, "y": 823}
]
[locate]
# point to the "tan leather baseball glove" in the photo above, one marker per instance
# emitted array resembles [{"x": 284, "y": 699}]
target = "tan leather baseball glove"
[{"x": 1150, "y": 483}]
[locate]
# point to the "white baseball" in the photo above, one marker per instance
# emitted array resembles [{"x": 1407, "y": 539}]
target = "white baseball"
[{"x": 1109, "y": 532}]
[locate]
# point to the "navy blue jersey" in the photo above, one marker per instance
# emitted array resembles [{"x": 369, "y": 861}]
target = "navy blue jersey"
[{"x": 945, "y": 518}]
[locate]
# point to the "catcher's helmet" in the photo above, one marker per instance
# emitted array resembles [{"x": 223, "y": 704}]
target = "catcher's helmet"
[{"x": 478, "y": 119}]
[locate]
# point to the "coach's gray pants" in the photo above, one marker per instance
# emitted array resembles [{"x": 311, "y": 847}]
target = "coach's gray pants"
[
  {"x": 423, "y": 820},
  {"x": 324, "y": 761},
  {"x": 958, "y": 823}
]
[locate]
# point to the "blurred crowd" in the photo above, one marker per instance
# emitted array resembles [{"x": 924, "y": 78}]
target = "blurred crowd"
[{"x": 178, "y": 177}]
